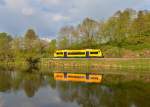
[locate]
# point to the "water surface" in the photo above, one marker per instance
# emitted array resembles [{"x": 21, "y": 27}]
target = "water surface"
[{"x": 37, "y": 89}]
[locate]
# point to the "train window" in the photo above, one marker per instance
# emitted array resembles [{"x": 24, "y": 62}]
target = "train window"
[
  {"x": 76, "y": 53},
  {"x": 93, "y": 52},
  {"x": 59, "y": 53}
]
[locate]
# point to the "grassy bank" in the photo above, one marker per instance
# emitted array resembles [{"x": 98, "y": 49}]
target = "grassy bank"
[
  {"x": 138, "y": 64},
  {"x": 118, "y": 63}
]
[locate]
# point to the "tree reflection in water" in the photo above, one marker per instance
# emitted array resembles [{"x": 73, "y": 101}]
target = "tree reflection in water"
[
  {"x": 115, "y": 91},
  {"x": 15, "y": 81},
  {"x": 114, "y": 94}
]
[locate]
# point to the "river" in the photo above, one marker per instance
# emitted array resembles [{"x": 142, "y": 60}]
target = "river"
[{"x": 36, "y": 89}]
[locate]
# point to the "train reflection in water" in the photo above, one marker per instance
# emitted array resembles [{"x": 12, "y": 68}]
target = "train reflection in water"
[{"x": 76, "y": 77}]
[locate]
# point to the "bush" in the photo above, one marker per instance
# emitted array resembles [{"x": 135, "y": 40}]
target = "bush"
[{"x": 112, "y": 52}]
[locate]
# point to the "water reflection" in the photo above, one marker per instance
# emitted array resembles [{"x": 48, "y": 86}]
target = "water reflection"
[
  {"x": 78, "y": 77},
  {"x": 14, "y": 81},
  {"x": 42, "y": 90}
]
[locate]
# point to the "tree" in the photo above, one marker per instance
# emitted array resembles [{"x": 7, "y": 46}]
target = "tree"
[
  {"x": 30, "y": 34},
  {"x": 140, "y": 28},
  {"x": 17, "y": 47},
  {"x": 118, "y": 28},
  {"x": 64, "y": 38},
  {"x": 5, "y": 47},
  {"x": 33, "y": 47},
  {"x": 52, "y": 46},
  {"x": 88, "y": 31}
]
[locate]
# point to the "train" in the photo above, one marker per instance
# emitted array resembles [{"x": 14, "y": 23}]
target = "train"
[{"x": 84, "y": 53}]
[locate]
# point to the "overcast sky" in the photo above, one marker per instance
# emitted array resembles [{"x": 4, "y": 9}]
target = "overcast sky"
[{"x": 48, "y": 16}]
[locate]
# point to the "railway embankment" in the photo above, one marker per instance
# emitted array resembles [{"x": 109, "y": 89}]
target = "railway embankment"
[{"x": 120, "y": 63}]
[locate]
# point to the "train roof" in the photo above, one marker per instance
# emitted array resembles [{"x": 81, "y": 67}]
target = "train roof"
[{"x": 76, "y": 49}]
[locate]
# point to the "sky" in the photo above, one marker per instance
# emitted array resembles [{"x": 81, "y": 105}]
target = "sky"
[{"x": 46, "y": 17}]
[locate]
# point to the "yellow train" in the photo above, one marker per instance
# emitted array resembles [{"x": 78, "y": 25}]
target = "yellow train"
[
  {"x": 89, "y": 78},
  {"x": 86, "y": 53}
]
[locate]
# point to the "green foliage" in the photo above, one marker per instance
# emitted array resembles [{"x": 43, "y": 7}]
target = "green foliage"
[
  {"x": 33, "y": 47},
  {"x": 52, "y": 46},
  {"x": 112, "y": 52},
  {"x": 30, "y": 34},
  {"x": 127, "y": 29},
  {"x": 28, "y": 48},
  {"x": 5, "y": 47}
]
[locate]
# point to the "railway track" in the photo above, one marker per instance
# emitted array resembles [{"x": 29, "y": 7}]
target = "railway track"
[{"x": 100, "y": 58}]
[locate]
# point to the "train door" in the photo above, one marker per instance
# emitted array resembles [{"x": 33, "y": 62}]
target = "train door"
[
  {"x": 87, "y": 54},
  {"x": 65, "y": 54}
]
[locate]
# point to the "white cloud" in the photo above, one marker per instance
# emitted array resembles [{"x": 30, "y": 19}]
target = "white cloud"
[
  {"x": 51, "y": 1},
  {"x": 27, "y": 11},
  {"x": 20, "y": 6},
  {"x": 46, "y": 39},
  {"x": 73, "y": 10},
  {"x": 16, "y": 3},
  {"x": 59, "y": 17},
  {"x": 44, "y": 14}
]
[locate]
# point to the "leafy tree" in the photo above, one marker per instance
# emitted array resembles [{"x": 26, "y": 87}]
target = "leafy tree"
[
  {"x": 5, "y": 47},
  {"x": 33, "y": 47},
  {"x": 52, "y": 46},
  {"x": 141, "y": 27},
  {"x": 128, "y": 29},
  {"x": 63, "y": 38},
  {"x": 88, "y": 31},
  {"x": 30, "y": 34},
  {"x": 17, "y": 47}
]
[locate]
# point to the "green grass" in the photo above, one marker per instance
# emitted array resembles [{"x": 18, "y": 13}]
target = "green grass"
[
  {"x": 138, "y": 64},
  {"x": 143, "y": 64}
]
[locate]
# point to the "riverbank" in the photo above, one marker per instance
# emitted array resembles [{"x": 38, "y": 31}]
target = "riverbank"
[
  {"x": 118, "y": 63},
  {"x": 84, "y": 64}
]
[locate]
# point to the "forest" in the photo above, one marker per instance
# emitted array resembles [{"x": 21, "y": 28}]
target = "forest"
[{"x": 125, "y": 34}]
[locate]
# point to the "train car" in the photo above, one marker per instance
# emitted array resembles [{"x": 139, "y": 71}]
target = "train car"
[{"x": 86, "y": 53}]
